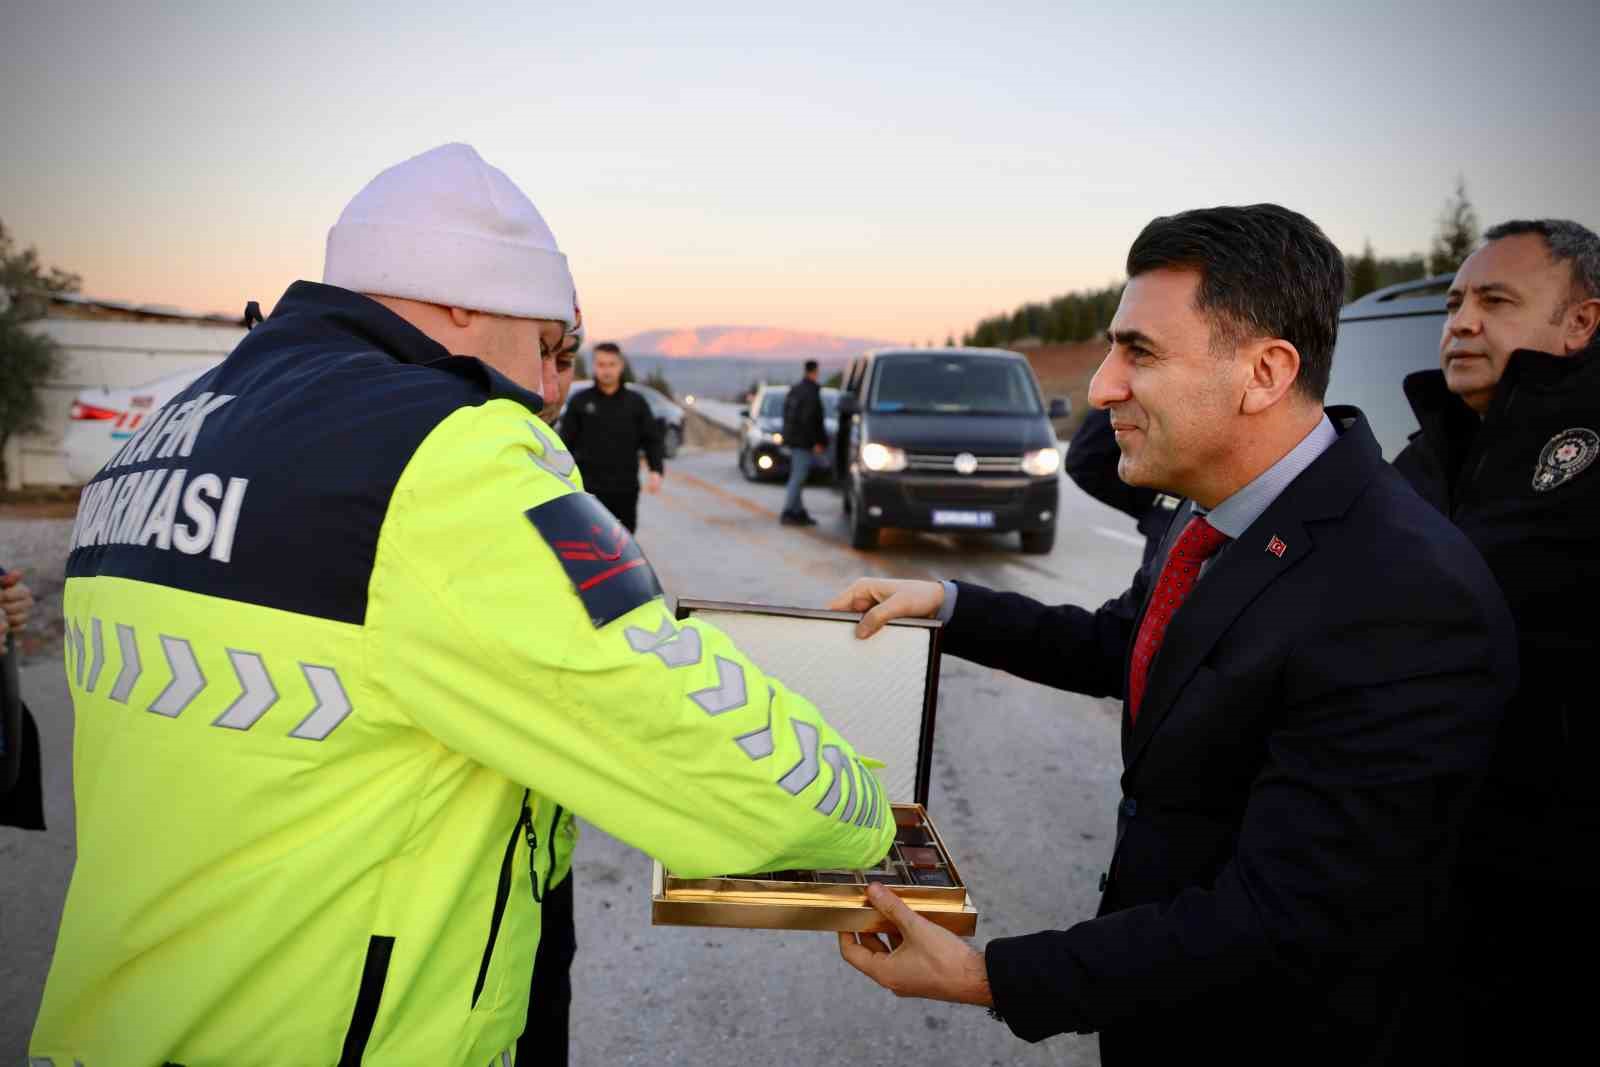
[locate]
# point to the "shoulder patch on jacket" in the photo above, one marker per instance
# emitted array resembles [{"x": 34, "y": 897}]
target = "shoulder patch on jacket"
[{"x": 607, "y": 569}]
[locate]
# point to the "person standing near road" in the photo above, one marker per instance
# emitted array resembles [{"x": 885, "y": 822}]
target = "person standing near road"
[
  {"x": 1311, "y": 682},
  {"x": 607, "y": 427},
  {"x": 21, "y": 780},
  {"x": 350, "y": 647},
  {"x": 805, "y": 434},
  {"x": 1509, "y": 450}
]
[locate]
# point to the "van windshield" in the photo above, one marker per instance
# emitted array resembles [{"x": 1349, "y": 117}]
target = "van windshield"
[{"x": 935, "y": 384}]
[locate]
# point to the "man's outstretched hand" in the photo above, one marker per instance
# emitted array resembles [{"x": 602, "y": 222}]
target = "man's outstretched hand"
[
  {"x": 920, "y": 959},
  {"x": 884, "y": 599}
]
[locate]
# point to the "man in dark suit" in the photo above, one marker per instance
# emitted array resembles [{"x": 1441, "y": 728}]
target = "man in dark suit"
[{"x": 1311, "y": 679}]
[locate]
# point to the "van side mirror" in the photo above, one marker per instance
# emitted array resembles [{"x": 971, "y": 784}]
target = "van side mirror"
[
  {"x": 847, "y": 404},
  {"x": 1060, "y": 407},
  {"x": 744, "y": 413}
]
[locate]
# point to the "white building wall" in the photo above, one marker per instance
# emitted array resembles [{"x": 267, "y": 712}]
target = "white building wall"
[{"x": 111, "y": 354}]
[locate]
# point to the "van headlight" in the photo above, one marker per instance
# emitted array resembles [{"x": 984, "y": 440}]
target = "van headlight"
[
  {"x": 1042, "y": 462},
  {"x": 775, "y": 438},
  {"x": 883, "y": 459}
]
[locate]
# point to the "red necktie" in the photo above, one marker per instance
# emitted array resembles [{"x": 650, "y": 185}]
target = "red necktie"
[{"x": 1198, "y": 543}]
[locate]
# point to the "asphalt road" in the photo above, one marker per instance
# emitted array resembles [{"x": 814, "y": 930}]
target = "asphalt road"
[{"x": 1024, "y": 789}]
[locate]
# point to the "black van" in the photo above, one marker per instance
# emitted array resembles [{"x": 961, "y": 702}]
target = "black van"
[{"x": 947, "y": 439}]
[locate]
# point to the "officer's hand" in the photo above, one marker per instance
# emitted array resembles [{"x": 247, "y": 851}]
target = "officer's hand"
[
  {"x": 895, "y": 598},
  {"x": 652, "y": 484},
  {"x": 15, "y": 600},
  {"x": 922, "y": 960}
]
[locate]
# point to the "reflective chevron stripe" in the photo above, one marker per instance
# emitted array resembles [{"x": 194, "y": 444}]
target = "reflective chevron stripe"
[
  {"x": 757, "y": 744},
  {"x": 848, "y": 811},
  {"x": 556, "y": 461},
  {"x": 805, "y": 772},
  {"x": 332, "y": 704},
  {"x": 727, "y": 694},
  {"x": 677, "y": 648},
  {"x": 99, "y": 661},
  {"x": 187, "y": 679},
  {"x": 131, "y": 668},
  {"x": 77, "y": 644},
  {"x": 833, "y": 757},
  {"x": 256, "y": 692}
]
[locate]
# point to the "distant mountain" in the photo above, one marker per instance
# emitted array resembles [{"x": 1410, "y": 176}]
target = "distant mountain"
[{"x": 746, "y": 342}]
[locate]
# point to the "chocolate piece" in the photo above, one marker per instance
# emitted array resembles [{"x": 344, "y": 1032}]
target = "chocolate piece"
[
  {"x": 934, "y": 877},
  {"x": 920, "y": 857},
  {"x": 912, "y": 835},
  {"x": 907, "y": 817}
]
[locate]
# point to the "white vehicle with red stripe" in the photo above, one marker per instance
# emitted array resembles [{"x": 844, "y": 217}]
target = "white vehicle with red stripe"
[{"x": 103, "y": 419}]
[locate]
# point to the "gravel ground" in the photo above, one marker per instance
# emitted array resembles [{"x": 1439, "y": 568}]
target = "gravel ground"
[{"x": 38, "y": 548}]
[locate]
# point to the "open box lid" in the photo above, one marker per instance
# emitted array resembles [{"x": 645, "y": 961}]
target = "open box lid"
[{"x": 880, "y": 694}]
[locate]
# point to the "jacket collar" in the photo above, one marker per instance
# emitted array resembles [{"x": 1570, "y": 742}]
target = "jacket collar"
[
  {"x": 1325, "y": 490},
  {"x": 314, "y": 307},
  {"x": 359, "y": 316},
  {"x": 1448, "y": 425}
]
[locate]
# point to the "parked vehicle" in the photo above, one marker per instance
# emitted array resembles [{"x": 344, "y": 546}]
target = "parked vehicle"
[
  {"x": 762, "y": 455},
  {"x": 669, "y": 416},
  {"x": 1383, "y": 337},
  {"x": 102, "y": 419},
  {"x": 947, "y": 439}
]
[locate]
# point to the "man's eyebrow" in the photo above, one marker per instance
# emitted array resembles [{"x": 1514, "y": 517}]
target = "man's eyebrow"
[
  {"x": 1129, "y": 338},
  {"x": 1496, "y": 287}
]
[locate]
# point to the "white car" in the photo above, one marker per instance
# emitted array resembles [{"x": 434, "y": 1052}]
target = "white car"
[{"x": 102, "y": 420}]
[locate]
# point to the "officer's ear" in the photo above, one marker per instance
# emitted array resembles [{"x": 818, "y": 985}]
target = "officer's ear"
[
  {"x": 1582, "y": 318},
  {"x": 462, "y": 317}
]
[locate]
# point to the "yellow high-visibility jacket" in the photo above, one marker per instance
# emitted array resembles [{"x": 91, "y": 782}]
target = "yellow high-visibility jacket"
[{"x": 348, "y": 645}]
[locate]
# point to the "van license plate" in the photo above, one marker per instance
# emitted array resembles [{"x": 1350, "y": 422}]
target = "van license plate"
[{"x": 963, "y": 518}]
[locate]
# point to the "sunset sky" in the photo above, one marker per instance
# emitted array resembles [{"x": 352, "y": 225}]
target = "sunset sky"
[{"x": 884, "y": 170}]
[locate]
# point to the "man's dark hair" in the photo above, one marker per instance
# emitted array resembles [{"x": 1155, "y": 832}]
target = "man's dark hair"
[
  {"x": 1567, "y": 242},
  {"x": 811, "y": 366},
  {"x": 1265, "y": 271},
  {"x": 608, "y": 346}
]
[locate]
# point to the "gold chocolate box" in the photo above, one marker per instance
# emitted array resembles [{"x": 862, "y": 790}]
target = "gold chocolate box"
[{"x": 881, "y": 695}]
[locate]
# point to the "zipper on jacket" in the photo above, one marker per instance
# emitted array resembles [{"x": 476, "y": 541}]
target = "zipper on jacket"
[
  {"x": 533, "y": 849},
  {"x": 501, "y": 894},
  {"x": 550, "y": 871},
  {"x": 368, "y": 996}
]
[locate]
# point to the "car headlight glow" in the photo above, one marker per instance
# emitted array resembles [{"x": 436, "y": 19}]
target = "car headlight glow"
[
  {"x": 882, "y": 458},
  {"x": 1042, "y": 463},
  {"x": 777, "y": 438}
]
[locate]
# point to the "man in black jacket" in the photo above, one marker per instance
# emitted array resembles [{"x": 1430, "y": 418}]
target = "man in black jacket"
[
  {"x": 606, "y": 428},
  {"x": 1510, "y": 450},
  {"x": 1311, "y": 681},
  {"x": 806, "y": 436}
]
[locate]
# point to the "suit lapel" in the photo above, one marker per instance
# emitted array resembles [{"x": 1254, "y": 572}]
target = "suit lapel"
[
  {"x": 1277, "y": 541},
  {"x": 1174, "y": 531},
  {"x": 1224, "y": 591}
]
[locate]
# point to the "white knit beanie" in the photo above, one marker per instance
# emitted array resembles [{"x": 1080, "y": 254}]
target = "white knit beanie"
[{"x": 447, "y": 228}]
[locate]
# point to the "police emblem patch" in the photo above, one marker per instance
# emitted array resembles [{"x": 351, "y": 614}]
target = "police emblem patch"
[
  {"x": 608, "y": 571},
  {"x": 1564, "y": 457}
]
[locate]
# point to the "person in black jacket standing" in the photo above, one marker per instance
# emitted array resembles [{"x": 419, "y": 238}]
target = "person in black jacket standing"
[
  {"x": 606, "y": 428},
  {"x": 1311, "y": 683},
  {"x": 806, "y": 436},
  {"x": 1509, "y": 450}
]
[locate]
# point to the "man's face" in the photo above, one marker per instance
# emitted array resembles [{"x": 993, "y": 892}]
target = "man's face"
[
  {"x": 524, "y": 350},
  {"x": 1509, "y": 294},
  {"x": 1173, "y": 401},
  {"x": 607, "y": 370},
  {"x": 566, "y": 360}
]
